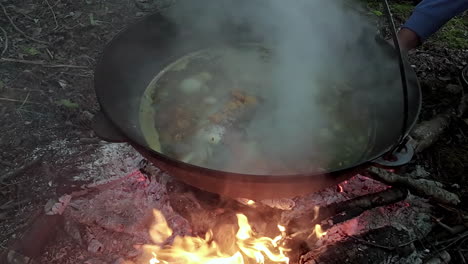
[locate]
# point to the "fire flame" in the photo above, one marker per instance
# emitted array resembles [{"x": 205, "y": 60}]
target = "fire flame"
[
  {"x": 197, "y": 250},
  {"x": 250, "y": 202},
  {"x": 319, "y": 232}
]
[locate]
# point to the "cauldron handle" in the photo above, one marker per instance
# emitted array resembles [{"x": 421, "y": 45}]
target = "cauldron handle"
[
  {"x": 404, "y": 82},
  {"x": 106, "y": 130}
]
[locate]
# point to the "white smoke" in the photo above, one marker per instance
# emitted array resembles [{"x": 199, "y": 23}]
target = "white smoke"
[{"x": 316, "y": 44}]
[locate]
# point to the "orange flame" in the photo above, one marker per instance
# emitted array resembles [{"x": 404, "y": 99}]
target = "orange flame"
[
  {"x": 316, "y": 212},
  {"x": 281, "y": 228},
  {"x": 319, "y": 232},
  {"x": 197, "y": 250},
  {"x": 154, "y": 259}
]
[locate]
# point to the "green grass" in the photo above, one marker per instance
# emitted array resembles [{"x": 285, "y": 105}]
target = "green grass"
[
  {"x": 402, "y": 9},
  {"x": 454, "y": 34}
]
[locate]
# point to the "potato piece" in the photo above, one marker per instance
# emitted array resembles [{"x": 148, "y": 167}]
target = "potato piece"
[{"x": 190, "y": 85}]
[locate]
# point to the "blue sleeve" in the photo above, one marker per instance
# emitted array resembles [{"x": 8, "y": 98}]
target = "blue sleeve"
[{"x": 430, "y": 15}]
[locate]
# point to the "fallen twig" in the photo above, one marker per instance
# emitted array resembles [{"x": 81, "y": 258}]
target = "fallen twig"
[
  {"x": 423, "y": 187},
  {"x": 53, "y": 14},
  {"x": 44, "y": 64},
  {"x": 5, "y": 42},
  {"x": 25, "y": 100},
  {"x": 460, "y": 254},
  {"x": 20, "y": 170},
  {"x": 19, "y": 30},
  {"x": 11, "y": 204},
  {"x": 17, "y": 101},
  {"x": 452, "y": 230},
  {"x": 452, "y": 240},
  {"x": 85, "y": 75},
  {"x": 462, "y": 237}
]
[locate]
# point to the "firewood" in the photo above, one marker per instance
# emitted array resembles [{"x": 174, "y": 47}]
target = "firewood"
[
  {"x": 422, "y": 137},
  {"x": 428, "y": 132},
  {"x": 423, "y": 187},
  {"x": 340, "y": 212},
  {"x": 441, "y": 258},
  {"x": 386, "y": 245}
]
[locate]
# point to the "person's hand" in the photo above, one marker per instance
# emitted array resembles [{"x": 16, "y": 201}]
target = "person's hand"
[{"x": 408, "y": 39}]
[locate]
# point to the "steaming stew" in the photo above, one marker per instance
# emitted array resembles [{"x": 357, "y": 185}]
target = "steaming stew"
[{"x": 226, "y": 108}]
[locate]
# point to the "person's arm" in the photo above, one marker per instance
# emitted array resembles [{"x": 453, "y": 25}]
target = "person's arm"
[{"x": 427, "y": 18}]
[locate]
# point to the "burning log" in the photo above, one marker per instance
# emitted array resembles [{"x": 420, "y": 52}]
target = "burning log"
[
  {"x": 377, "y": 247},
  {"x": 299, "y": 229},
  {"x": 343, "y": 211}
]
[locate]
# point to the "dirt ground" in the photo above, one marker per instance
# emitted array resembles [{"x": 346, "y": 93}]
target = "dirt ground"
[
  {"x": 47, "y": 99},
  {"x": 48, "y": 52}
]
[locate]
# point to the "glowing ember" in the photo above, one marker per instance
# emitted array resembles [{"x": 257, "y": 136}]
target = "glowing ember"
[
  {"x": 197, "y": 250},
  {"x": 250, "y": 202},
  {"x": 340, "y": 188}
]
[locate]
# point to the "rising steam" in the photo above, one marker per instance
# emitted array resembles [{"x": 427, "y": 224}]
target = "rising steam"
[{"x": 322, "y": 50}]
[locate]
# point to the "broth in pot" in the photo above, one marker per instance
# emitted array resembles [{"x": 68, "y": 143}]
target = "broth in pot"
[{"x": 231, "y": 108}]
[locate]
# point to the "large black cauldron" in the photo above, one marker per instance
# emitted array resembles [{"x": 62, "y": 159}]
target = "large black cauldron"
[{"x": 134, "y": 57}]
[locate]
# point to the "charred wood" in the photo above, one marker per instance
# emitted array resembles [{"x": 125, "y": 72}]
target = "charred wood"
[
  {"x": 343, "y": 211},
  {"x": 422, "y": 187},
  {"x": 375, "y": 246}
]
